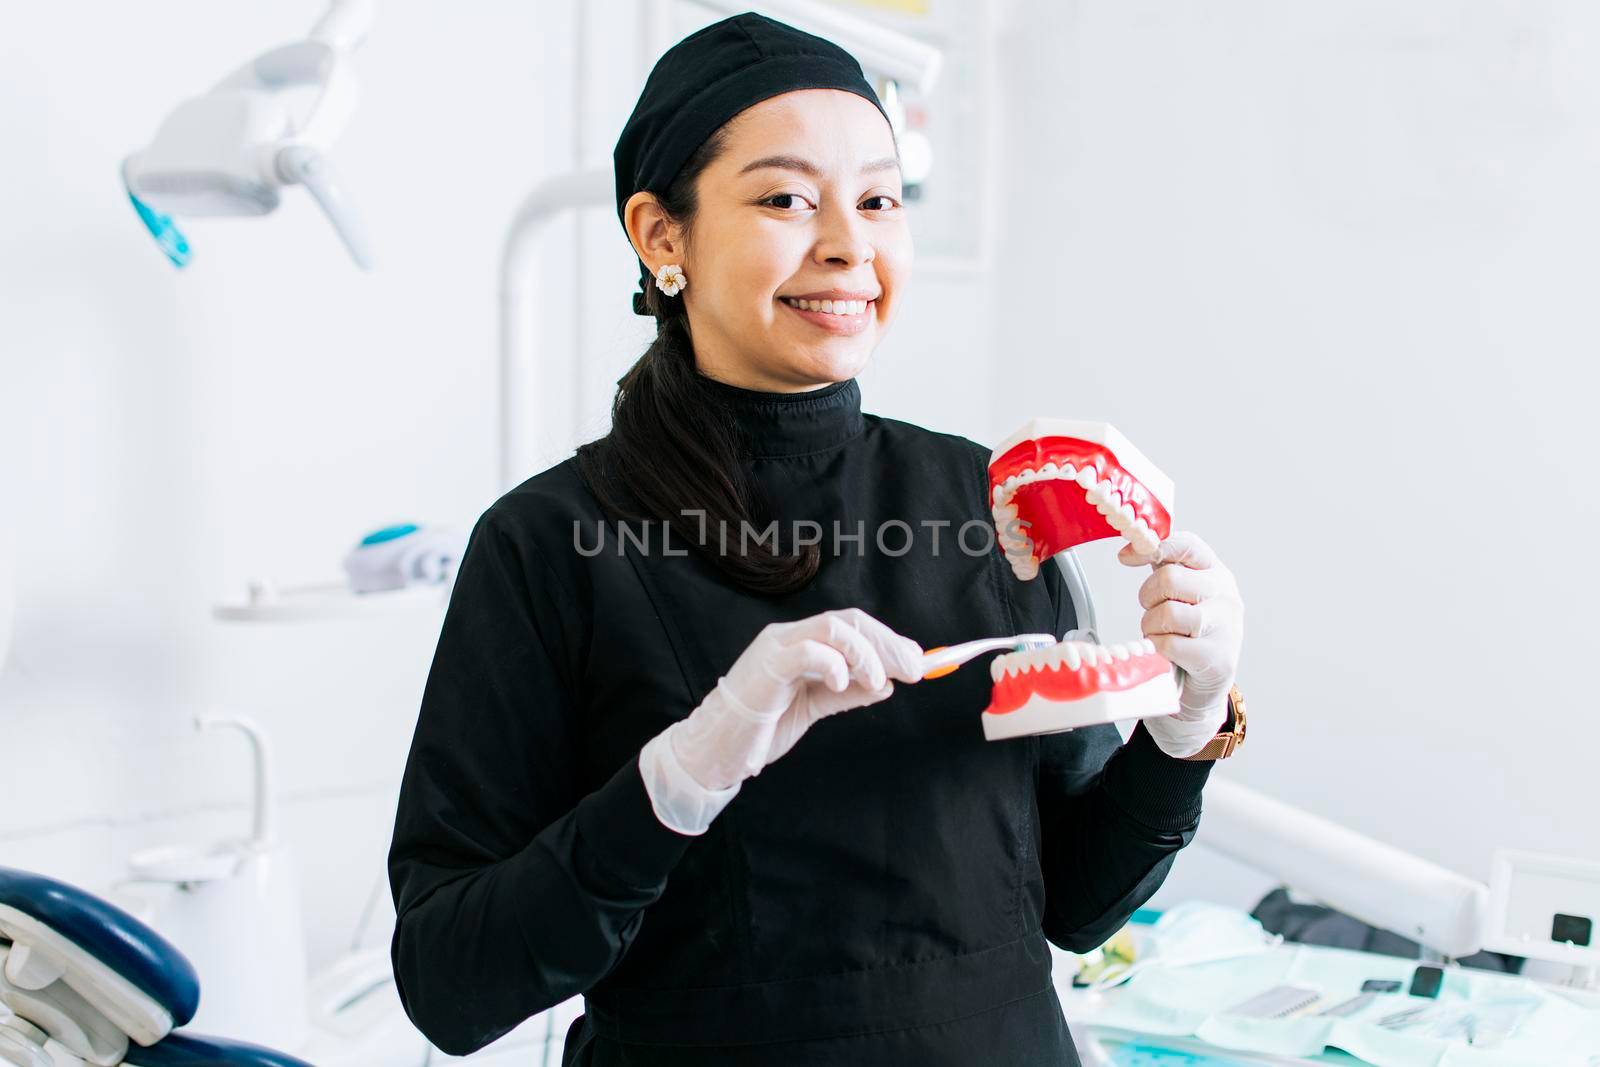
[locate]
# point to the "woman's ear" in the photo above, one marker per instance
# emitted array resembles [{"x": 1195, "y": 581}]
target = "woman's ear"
[{"x": 654, "y": 238}]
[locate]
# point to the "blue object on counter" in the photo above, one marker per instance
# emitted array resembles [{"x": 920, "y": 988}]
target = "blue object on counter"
[{"x": 389, "y": 533}]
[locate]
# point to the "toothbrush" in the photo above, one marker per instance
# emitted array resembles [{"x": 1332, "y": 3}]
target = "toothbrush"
[{"x": 942, "y": 660}]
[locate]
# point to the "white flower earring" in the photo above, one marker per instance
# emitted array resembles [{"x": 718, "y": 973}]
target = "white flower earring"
[{"x": 670, "y": 279}]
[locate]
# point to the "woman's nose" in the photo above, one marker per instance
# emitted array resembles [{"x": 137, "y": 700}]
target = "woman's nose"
[{"x": 842, "y": 238}]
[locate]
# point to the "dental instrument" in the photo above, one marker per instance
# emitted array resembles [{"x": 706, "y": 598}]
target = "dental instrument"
[
  {"x": 945, "y": 659},
  {"x": 1407, "y": 1017},
  {"x": 231, "y": 150},
  {"x": 1279, "y": 1002},
  {"x": 1350, "y": 1006}
]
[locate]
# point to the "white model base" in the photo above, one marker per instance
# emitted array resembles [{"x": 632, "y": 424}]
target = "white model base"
[{"x": 1041, "y": 715}]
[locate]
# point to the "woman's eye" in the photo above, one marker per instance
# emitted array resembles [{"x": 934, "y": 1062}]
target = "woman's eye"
[{"x": 892, "y": 202}]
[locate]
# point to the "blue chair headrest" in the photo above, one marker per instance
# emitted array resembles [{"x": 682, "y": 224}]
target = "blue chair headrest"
[
  {"x": 130, "y": 948},
  {"x": 193, "y": 1050}
]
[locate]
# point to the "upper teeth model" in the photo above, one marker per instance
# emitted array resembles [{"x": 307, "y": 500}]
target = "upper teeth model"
[
  {"x": 1058, "y": 483},
  {"x": 1053, "y": 485}
]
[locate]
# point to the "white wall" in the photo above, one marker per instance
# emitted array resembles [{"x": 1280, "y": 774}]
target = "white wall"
[{"x": 1332, "y": 267}]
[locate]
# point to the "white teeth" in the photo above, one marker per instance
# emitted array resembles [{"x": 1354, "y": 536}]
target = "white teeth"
[
  {"x": 1101, "y": 494},
  {"x": 1028, "y": 475},
  {"x": 831, "y": 307},
  {"x": 1068, "y": 654}
]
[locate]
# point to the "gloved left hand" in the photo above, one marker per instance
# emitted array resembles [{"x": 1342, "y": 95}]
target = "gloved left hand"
[{"x": 1195, "y": 617}]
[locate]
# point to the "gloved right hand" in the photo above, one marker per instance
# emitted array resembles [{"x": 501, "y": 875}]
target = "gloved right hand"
[{"x": 789, "y": 677}]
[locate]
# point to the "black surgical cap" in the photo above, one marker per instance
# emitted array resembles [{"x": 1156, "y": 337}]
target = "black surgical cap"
[{"x": 707, "y": 78}]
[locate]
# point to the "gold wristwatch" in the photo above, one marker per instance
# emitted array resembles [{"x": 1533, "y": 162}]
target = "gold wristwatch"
[{"x": 1231, "y": 736}]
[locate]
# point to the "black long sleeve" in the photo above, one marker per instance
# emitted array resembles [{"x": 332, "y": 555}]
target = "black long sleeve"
[
  {"x": 1113, "y": 816},
  {"x": 881, "y": 894},
  {"x": 513, "y": 889}
]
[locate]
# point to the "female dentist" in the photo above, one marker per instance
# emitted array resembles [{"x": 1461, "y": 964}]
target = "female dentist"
[{"x": 620, "y": 785}]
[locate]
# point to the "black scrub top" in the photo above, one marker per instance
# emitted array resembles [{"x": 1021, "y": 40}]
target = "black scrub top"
[{"x": 882, "y": 894}]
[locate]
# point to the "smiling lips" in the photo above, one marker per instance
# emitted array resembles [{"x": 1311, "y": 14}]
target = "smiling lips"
[{"x": 1053, "y": 485}]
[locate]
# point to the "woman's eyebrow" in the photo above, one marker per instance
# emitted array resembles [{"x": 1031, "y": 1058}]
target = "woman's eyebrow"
[{"x": 810, "y": 169}]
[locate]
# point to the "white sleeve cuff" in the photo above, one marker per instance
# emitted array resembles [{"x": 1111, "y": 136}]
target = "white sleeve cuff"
[{"x": 680, "y": 803}]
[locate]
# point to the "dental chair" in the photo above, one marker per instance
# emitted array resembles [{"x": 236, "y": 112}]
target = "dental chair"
[{"x": 99, "y": 985}]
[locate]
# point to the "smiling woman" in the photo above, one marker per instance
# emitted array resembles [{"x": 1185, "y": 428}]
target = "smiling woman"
[
  {"x": 786, "y": 224},
  {"x": 622, "y": 785}
]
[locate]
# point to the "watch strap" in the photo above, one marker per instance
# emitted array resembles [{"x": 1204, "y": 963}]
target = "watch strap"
[{"x": 1230, "y": 736}]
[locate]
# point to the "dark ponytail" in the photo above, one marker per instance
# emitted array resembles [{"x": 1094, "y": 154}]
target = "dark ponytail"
[{"x": 672, "y": 449}]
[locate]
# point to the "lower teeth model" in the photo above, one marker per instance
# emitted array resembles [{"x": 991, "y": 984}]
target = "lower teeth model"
[
  {"x": 1076, "y": 683},
  {"x": 1056, "y": 484}
]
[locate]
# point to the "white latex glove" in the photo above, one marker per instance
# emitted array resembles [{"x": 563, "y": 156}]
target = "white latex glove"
[
  {"x": 790, "y": 676},
  {"x": 1195, "y": 617}
]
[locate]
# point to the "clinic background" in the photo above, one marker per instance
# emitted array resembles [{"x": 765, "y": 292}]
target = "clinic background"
[{"x": 1331, "y": 266}]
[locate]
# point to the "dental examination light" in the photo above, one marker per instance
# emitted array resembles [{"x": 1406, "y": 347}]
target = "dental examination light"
[{"x": 230, "y": 151}]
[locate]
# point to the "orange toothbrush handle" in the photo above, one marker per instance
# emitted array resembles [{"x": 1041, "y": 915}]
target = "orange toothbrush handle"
[{"x": 939, "y": 672}]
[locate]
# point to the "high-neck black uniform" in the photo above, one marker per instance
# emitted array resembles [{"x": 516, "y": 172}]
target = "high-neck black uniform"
[{"x": 881, "y": 894}]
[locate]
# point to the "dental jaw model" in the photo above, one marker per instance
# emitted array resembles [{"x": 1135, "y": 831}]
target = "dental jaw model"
[
  {"x": 1056, "y": 484},
  {"x": 1059, "y": 483}
]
